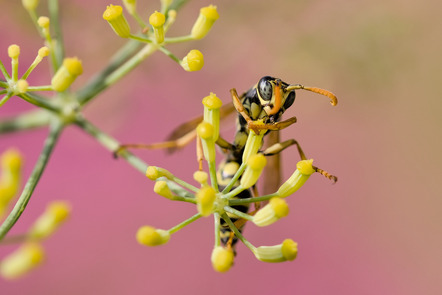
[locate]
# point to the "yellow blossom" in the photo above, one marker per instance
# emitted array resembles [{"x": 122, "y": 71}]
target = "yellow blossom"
[{"x": 207, "y": 17}]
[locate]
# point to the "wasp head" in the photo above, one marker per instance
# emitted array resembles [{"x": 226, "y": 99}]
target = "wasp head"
[{"x": 274, "y": 96}]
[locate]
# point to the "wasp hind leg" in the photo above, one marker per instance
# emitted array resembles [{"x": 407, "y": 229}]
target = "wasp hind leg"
[{"x": 171, "y": 144}]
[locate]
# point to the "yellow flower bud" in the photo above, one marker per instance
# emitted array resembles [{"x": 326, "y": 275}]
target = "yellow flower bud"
[
  {"x": 157, "y": 20},
  {"x": 22, "y": 261},
  {"x": 163, "y": 190},
  {"x": 153, "y": 173},
  {"x": 30, "y": 4},
  {"x": 212, "y": 104},
  {"x": 11, "y": 162},
  {"x": 43, "y": 22},
  {"x": 193, "y": 61},
  {"x": 222, "y": 259},
  {"x": 14, "y": 51},
  {"x": 114, "y": 16},
  {"x": 44, "y": 51},
  {"x": 286, "y": 251},
  {"x": 205, "y": 132},
  {"x": 255, "y": 165},
  {"x": 298, "y": 178},
  {"x": 207, "y": 17},
  {"x": 253, "y": 143},
  {"x": 67, "y": 74},
  {"x": 205, "y": 199},
  {"x": 150, "y": 236},
  {"x": 201, "y": 177},
  {"x": 272, "y": 212},
  {"x": 56, "y": 213}
]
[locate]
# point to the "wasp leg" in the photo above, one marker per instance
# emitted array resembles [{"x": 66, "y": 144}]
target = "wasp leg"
[
  {"x": 279, "y": 147},
  {"x": 251, "y": 124},
  {"x": 177, "y": 143},
  {"x": 199, "y": 153}
]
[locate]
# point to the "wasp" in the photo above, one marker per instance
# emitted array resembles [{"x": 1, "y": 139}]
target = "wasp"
[{"x": 266, "y": 101}]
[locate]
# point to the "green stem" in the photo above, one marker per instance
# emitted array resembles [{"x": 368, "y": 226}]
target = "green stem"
[
  {"x": 39, "y": 101},
  {"x": 141, "y": 39},
  {"x": 14, "y": 66},
  {"x": 251, "y": 200},
  {"x": 25, "y": 121},
  {"x": 235, "y": 178},
  {"x": 178, "y": 39},
  {"x": 233, "y": 193},
  {"x": 97, "y": 84},
  {"x": 112, "y": 145},
  {"x": 238, "y": 213},
  {"x": 5, "y": 99},
  {"x": 213, "y": 179},
  {"x": 169, "y": 54},
  {"x": 217, "y": 229},
  {"x": 184, "y": 223},
  {"x": 185, "y": 184},
  {"x": 40, "y": 88},
  {"x": 57, "y": 43},
  {"x": 237, "y": 233},
  {"x": 4, "y": 72},
  {"x": 20, "y": 206}
]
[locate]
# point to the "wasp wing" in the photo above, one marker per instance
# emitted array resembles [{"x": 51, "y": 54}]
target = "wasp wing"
[{"x": 188, "y": 127}]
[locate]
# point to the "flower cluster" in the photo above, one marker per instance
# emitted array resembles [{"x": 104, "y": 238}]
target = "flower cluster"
[
  {"x": 160, "y": 22},
  {"x": 209, "y": 200},
  {"x": 65, "y": 105}
]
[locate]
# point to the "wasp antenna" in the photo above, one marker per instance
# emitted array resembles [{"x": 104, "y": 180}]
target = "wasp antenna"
[
  {"x": 333, "y": 98},
  {"x": 329, "y": 94}
]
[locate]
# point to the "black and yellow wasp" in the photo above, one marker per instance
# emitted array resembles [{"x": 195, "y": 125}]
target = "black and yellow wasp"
[{"x": 266, "y": 101}]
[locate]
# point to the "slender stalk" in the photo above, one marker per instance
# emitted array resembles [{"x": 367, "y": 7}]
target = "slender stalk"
[
  {"x": 112, "y": 145},
  {"x": 169, "y": 54},
  {"x": 217, "y": 229},
  {"x": 54, "y": 132},
  {"x": 235, "y": 178},
  {"x": 237, "y": 233},
  {"x": 97, "y": 83},
  {"x": 57, "y": 43},
  {"x": 185, "y": 184},
  {"x": 251, "y": 200},
  {"x": 212, "y": 172},
  {"x": 29, "y": 120},
  {"x": 238, "y": 213},
  {"x": 178, "y": 39},
  {"x": 4, "y": 99},
  {"x": 184, "y": 223},
  {"x": 4, "y": 71},
  {"x": 233, "y": 193},
  {"x": 141, "y": 39},
  {"x": 39, "y": 101},
  {"x": 40, "y": 88}
]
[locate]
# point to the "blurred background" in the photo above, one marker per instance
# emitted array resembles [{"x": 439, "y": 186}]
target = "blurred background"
[{"x": 376, "y": 231}]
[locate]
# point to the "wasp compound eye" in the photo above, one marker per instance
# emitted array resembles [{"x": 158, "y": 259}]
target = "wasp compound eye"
[{"x": 265, "y": 88}]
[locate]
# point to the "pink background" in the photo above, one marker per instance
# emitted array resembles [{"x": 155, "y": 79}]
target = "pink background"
[{"x": 377, "y": 231}]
